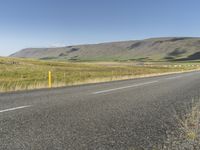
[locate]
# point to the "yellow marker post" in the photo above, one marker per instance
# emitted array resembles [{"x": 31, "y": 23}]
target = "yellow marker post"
[{"x": 50, "y": 80}]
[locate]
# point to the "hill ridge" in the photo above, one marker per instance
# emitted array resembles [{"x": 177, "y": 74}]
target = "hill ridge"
[{"x": 162, "y": 48}]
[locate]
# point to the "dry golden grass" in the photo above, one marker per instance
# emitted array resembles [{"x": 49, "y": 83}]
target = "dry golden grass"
[
  {"x": 188, "y": 129},
  {"x": 23, "y": 74}
]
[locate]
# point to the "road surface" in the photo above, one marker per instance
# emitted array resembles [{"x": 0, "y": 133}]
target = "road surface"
[{"x": 116, "y": 115}]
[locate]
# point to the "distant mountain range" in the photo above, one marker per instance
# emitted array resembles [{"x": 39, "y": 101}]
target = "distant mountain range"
[{"x": 154, "y": 49}]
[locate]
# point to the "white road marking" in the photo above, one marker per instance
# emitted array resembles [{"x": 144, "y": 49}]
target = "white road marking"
[
  {"x": 174, "y": 77},
  {"x": 125, "y": 87},
  {"x": 16, "y": 108},
  {"x": 140, "y": 84},
  {"x": 180, "y": 76}
]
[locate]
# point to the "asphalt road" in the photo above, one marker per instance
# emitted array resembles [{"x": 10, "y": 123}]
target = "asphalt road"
[{"x": 117, "y": 115}]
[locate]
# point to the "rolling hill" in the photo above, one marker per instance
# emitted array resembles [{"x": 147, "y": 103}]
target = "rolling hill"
[{"x": 154, "y": 49}]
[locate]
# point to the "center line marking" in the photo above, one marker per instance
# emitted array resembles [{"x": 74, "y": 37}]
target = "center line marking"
[
  {"x": 174, "y": 77},
  {"x": 16, "y": 108},
  {"x": 125, "y": 87}
]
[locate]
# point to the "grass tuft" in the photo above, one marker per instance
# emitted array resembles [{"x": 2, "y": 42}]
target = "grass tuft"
[{"x": 187, "y": 136}]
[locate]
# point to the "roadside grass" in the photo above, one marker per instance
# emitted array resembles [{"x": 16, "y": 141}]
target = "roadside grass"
[
  {"x": 23, "y": 74},
  {"x": 187, "y": 136}
]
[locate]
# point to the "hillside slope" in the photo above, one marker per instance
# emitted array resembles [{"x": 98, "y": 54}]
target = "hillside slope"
[{"x": 171, "y": 48}]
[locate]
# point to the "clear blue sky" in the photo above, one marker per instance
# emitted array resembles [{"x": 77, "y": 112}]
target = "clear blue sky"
[{"x": 48, "y": 23}]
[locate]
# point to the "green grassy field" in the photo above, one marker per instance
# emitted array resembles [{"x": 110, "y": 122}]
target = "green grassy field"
[{"x": 23, "y": 74}]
